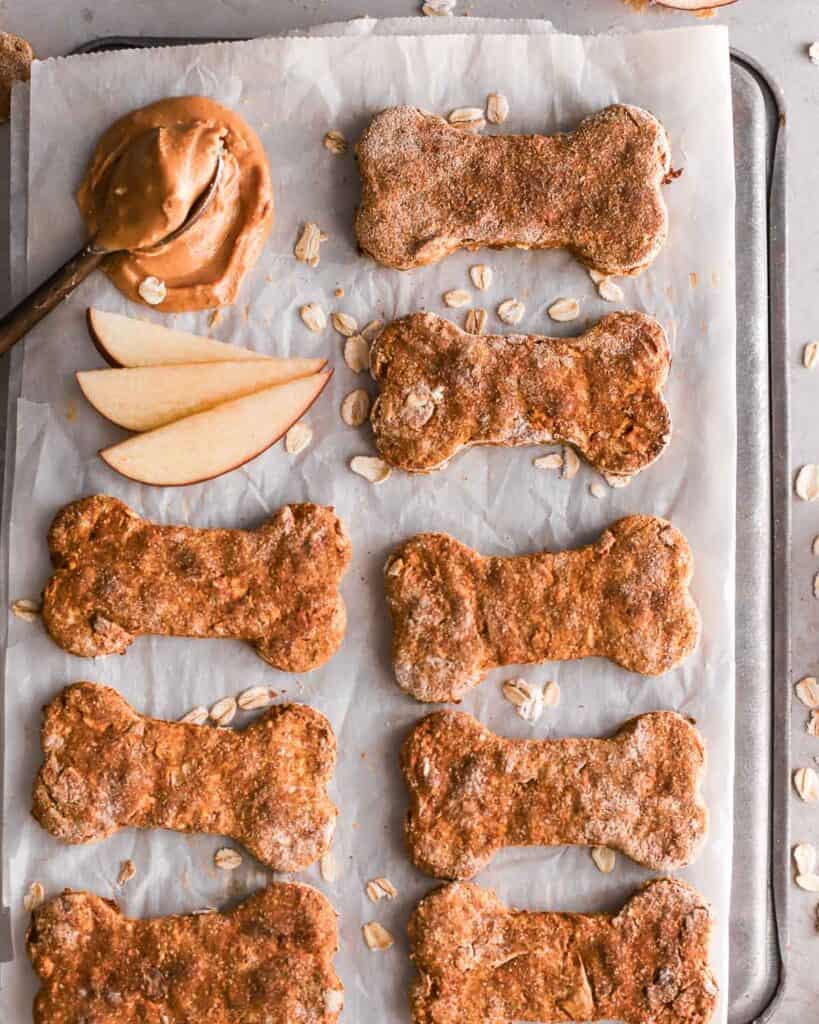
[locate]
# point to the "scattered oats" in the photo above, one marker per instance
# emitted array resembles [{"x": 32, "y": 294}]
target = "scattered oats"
[
  {"x": 333, "y": 1000},
  {"x": 215, "y": 318},
  {"x": 344, "y": 324},
  {"x": 28, "y": 611},
  {"x": 380, "y": 888},
  {"x": 481, "y": 276},
  {"x": 297, "y": 438},
  {"x": 357, "y": 353},
  {"x": 355, "y": 408},
  {"x": 807, "y": 482},
  {"x": 371, "y": 468},
  {"x": 806, "y": 783},
  {"x": 456, "y": 298},
  {"x": 511, "y": 311},
  {"x": 308, "y": 243},
  {"x": 335, "y": 142},
  {"x": 468, "y": 119},
  {"x": 376, "y": 936},
  {"x": 604, "y": 858},
  {"x": 527, "y": 700},
  {"x": 810, "y": 883},
  {"x": 203, "y": 911},
  {"x": 475, "y": 321},
  {"x": 497, "y": 108},
  {"x": 551, "y": 694},
  {"x": 313, "y": 316},
  {"x": 152, "y": 290},
  {"x": 256, "y": 697},
  {"x": 571, "y": 463},
  {"x": 223, "y": 711},
  {"x": 804, "y": 856},
  {"x": 810, "y": 355},
  {"x": 554, "y": 460},
  {"x": 563, "y": 310},
  {"x": 127, "y": 870},
  {"x": 227, "y": 859},
  {"x": 196, "y": 716},
  {"x": 610, "y": 290},
  {"x": 438, "y": 8},
  {"x": 813, "y": 53},
  {"x": 597, "y": 490},
  {"x": 327, "y": 866},
  {"x": 815, "y": 547},
  {"x": 812, "y": 726},
  {"x": 807, "y": 690},
  {"x": 616, "y": 481},
  {"x": 596, "y": 276},
  {"x": 34, "y": 897},
  {"x": 370, "y": 330}
]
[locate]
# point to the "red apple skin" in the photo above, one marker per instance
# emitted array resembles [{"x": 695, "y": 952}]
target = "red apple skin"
[
  {"x": 230, "y": 469},
  {"x": 702, "y": 5}
]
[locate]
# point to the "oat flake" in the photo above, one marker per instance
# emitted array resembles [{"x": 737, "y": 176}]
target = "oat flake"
[
  {"x": 127, "y": 870},
  {"x": 564, "y": 310},
  {"x": 456, "y": 298},
  {"x": 344, "y": 324},
  {"x": 527, "y": 699},
  {"x": 256, "y": 697},
  {"x": 357, "y": 353},
  {"x": 807, "y": 482},
  {"x": 810, "y": 883},
  {"x": 604, "y": 858},
  {"x": 475, "y": 321},
  {"x": 571, "y": 463},
  {"x": 497, "y": 108},
  {"x": 196, "y": 716},
  {"x": 469, "y": 119},
  {"x": 28, "y": 611},
  {"x": 34, "y": 896},
  {"x": 481, "y": 276},
  {"x": 438, "y": 8},
  {"x": 597, "y": 490},
  {"x": 297, "y": 438},
  {"x": 810, "y": 355},
  {"x": 511, "y": 311},
  {"x": 313, "y": 316},
  {"x": 335, "y": 142},
  {"x": 223, "y": 711},
  {"x": 376, "y": 936},
  {"x": 380, "y": 889},
  {"x": 371, "y": 329},
  {"x": 551, "y": 694},
  {"x": 327, "y": 866},
  {"x": 227, "y": 859},
  {"x": 554, "y": 460},
  {"x": 806, "y": 783},
  {"x": 608, "y": 290},
  {"x": 307, "y": 244},
  {"x": 371, "y": 468},
  {"x": 152, "y": 290},
  {"x": 355, "y": 408},
  {"x": 804, "y": 857}
]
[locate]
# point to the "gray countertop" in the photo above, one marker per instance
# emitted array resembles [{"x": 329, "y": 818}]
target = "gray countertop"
[{"x": 776, "y": 34}]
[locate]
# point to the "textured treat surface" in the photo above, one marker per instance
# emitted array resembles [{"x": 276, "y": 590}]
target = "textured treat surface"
[
  {"x": 119, "y": 576},
  {"x": 481, "y": 962},
  {"x": 456, "y": 614},
  {"x": 473, "y": 792},
  {"x": 107, "y": 767},
  {"x": 16, "y": 56},
  {"x": 429, "y": 188},
  {"x": 269, "y": 960},
  {"x": 443, "y": 389}
]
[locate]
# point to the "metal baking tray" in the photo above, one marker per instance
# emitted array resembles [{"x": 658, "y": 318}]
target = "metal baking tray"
[{"x": 758, "y": 929}]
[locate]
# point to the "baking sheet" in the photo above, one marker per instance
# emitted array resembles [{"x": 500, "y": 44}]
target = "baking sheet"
[{"x": 493, "y": 500}]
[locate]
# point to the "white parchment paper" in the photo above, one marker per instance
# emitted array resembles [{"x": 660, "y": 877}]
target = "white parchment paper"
[{"x": 292, "y": 91}]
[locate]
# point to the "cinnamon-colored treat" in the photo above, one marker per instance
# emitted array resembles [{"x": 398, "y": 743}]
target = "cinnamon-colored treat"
[
  {"x": 443, "y": 389},
  {"x": 16, "y": 56},
  {"x": 119, "y": 576},
  {"x": 456, "y": 614},
  {"x": 473, "y": 792},
  {"x": 481, "y": 962},
  {"x": 429, "y": 188},
  {"x": 107, "y": 767},
  {"x": 269, "y": 960}
]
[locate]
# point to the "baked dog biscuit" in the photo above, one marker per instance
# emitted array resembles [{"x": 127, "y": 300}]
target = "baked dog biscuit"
[
  {"x": 269, "y": 960},
  {"x": 473, "y": 792},
  {"x": 119, "y": 576},
  {"x": 443, "y": 389},
  {"x": 481, "y": 962},
  {"x": 457, "y": 614},
  {"x": 107, "y": 767},
  {"x": 429, "y": 188}
]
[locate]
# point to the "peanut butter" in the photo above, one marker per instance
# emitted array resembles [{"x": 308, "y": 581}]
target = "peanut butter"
[{"x": 148, "y": 170}]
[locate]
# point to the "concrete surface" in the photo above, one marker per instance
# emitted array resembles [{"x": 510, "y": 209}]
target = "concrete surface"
[{"x": 777, "y": 34}]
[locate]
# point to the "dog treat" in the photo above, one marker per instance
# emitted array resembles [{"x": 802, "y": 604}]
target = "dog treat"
[
  {"x": 119, "y": 576},
  {"x": 429, "y": 188},
  {"x": 269, "y": 960},
  {"x": 16, "y": 56},
  {"x": 107, "y": 767},
  {"x": 443, "y": 389},
  {"x": 473, "y": 792},
  {"x": 457, "y": 614},
  {"x": 481, "y": 962}
]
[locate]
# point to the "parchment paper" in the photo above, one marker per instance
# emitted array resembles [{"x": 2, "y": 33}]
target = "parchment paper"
[{"x": 292, "y": 91}]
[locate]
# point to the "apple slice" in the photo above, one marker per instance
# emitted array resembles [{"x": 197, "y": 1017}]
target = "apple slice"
[
  {"x": 147, "y": 397},
  {"x": 694, "y": 5},
  {"x": 213, "y": 442},
  {"x": 124, "y": 341}
]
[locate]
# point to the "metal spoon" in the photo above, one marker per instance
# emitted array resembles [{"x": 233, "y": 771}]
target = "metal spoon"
[{"x": 26, "y": 314}]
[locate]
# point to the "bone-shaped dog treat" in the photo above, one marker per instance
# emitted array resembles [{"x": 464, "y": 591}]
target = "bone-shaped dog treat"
[
  {"x": 443, "y": 389},
  {"x": 119, "y": 576},
  {"x": 107, "y": 767},
  {"x": 481, "y": 962},
  {"x": 457, "y": 614},
  {"x": 473, "y": 792},
  {"x": 269, "y": 960},
  {"x": 429, "y": 188}
]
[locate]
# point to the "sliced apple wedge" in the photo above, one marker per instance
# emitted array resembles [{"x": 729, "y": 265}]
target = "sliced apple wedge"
[
  {"x": 210, "y": 443},
  {"x": 694, "y": 5},
  {"x": 146, "y": 397},
  {"x": 124, "y": 341}
]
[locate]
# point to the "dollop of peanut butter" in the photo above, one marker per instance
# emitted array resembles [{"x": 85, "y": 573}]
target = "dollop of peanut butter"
[{"x": 146, "y": 173}]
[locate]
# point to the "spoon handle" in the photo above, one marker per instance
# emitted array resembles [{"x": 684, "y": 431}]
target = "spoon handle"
[{"x": 26, "y": 314}]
